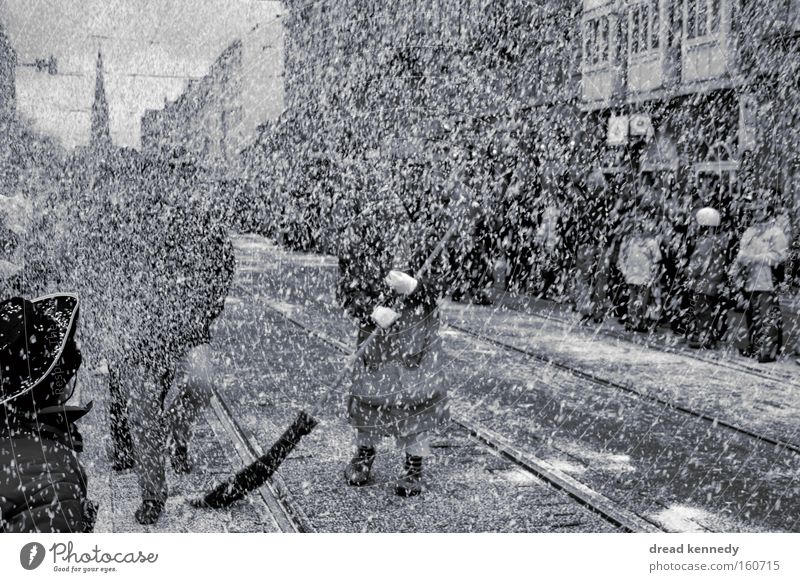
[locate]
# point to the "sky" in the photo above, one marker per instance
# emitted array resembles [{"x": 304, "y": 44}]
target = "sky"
[{"x": 150, "y": 50}]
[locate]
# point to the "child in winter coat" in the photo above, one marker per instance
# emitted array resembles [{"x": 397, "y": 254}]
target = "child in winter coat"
[
  {"x": 639, "y": 260},
  {"x": 707, "y": 281},
  {"x": 398, "y": 387}
]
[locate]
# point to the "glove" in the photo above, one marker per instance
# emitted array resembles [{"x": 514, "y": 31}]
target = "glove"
[
  {"x": 384, "y": 316},
  {"x": 400, "y": 282}
]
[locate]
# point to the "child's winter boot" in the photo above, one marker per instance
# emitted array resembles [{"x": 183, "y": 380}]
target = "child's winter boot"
[
  {"x": 410, "y": 483},
  {"x": 358, "y": 470}
]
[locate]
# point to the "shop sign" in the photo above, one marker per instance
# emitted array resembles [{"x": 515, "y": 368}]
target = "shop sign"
[
  {"x": 641, "y": 125},
  {"x": 617, "y": 130}
]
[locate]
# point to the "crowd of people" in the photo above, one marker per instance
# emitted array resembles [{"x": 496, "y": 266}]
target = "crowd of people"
[
  {"x": 625, "y": 247},
  {"x": 649, "y": 265},
  {"x": 153, "y": 262}
]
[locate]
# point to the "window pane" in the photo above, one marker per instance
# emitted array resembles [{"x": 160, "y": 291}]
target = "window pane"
[
  {"x": 691, "y": 18},
  {"x": 587, "y": 42},
  {"x": 702, "y": 15},
  {"x": 604, "y": 38},
  {"x": 714, "y": 24},
  {"x": 622, "y": 38},
  {"x": 635, "y": 30},
  {"x": 654, "y": 29},
  {"x": 643, "y": 18}
]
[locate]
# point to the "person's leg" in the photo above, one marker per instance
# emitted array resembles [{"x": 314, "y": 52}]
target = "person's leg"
[
  {"x": 651, "y": 308},
  {"x": 705, "y": 317},
  {"x": 121, "y": 440},
  {"x": 753, "y": 324},
  {"x": 599, "y": 292},
  {"x": 719, "y": 316},
  {"x": 147, "y": 429},
  {"x": 634, "y": 317},
  {"x": 771, "y": 327},
  {"x": 196, "y": 376}
]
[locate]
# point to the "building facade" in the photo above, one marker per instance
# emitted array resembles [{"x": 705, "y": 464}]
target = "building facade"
[
  {"x": 386, "y": 91},
  {"x": 218, "y": 115},
  {"x": 693, "y": 96},
  {"x": 363, "y": 78},
  {"x": 383, "y": 83},
  {"x": 8, "y": 64}
]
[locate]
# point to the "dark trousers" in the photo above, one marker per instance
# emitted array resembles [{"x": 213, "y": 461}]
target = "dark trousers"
[
  {"x": 709, "y": 320},
  {"x": 474, "y": 273},
  {"x": 638, "y": 302},
  {"x": 764, "y": 324}
]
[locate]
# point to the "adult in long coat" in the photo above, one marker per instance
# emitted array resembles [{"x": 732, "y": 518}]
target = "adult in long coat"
[
  {"x": 762, "y": 250},
  {"x": 181, "y": 264},
  {"x": 398, "y": 387}
]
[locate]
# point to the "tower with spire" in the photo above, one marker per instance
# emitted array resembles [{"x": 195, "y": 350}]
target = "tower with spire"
[{"x": 100, "y": 137}]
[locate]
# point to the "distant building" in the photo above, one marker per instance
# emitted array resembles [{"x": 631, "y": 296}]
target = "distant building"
[
  {"x": 217, "y": 116},
  {"x": 397, "y": 80},
  {"x": 696, "y": 97},
  {"x": 8, "y": 64}
]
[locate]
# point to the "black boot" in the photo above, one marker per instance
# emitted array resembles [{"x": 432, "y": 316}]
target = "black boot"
[
  {"x": 410, "y": 483},
  {"x": 149, "y": 511},
  {"x": 180, "y": 460},
  {"x": 357, "y": 472}
]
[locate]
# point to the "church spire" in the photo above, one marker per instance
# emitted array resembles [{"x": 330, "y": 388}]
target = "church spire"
[{"x": 100, "y": 138}]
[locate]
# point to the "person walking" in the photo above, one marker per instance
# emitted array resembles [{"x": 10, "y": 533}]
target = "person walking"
[
  {"x": 548, "y": 241},
  {"x": 762, "y": 250},
  {"x": 187, "y": 264},
  {"x": 639, "y": 262}
]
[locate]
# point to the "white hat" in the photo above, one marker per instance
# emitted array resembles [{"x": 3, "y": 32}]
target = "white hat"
[{"x": 707, "y": 217}]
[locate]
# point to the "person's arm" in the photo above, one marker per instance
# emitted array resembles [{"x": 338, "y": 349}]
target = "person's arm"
[{"x": 777, "y": 248}]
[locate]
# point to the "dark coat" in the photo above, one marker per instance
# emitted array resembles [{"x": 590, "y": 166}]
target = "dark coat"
[{"x": 397, "y": 386}]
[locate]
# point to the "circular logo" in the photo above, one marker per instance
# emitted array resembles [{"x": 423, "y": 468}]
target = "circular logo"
[{"x": 31, "y": 555}]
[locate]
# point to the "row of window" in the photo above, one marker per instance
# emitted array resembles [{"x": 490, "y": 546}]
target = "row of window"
[
  {"x": 702, "y": 17},
  {"x": 639, "y": 29}
]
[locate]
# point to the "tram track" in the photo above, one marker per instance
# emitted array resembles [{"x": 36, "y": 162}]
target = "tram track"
[
  {"x": 591, "y": 500},
  {"x": 783, "y": 444},
  {"x": 277, "y": 496},
  {"x": 588, "y": 376},
  {"x": 624, "y": 336}
]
